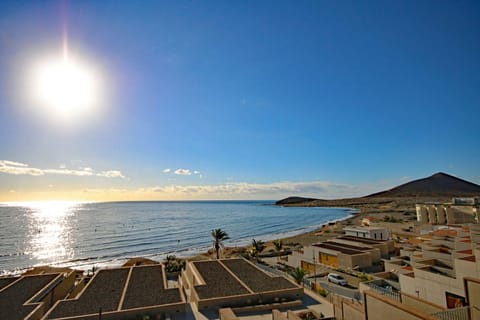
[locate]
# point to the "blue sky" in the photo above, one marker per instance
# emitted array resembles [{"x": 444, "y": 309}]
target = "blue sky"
[{"x": 245, "y": 99}]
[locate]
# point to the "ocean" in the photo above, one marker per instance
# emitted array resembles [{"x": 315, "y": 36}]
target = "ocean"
[{"x": 83, "y": 235}]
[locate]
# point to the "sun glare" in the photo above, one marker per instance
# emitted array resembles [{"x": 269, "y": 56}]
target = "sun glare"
[{"x": 65, "y": 88}]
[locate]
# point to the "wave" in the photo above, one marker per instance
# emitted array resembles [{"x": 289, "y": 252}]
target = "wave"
[{"x": 110, "y": 233}]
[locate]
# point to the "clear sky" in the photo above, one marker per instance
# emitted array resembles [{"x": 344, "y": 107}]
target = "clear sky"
[{"x": 241, "y": 99}]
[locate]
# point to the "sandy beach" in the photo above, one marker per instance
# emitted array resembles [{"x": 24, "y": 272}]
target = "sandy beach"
[{"x": 326, "y": 232}]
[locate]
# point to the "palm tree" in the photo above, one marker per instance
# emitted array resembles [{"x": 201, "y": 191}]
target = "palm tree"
[
  {"x": 172, "y": 263},
  {"x": 278, "y": 247},
  {"x": 219, "y": 236},
  {"x": 298, "y": 274},
  {"x": 257, "y": 248},
  {"x": 258, "y": 245}
]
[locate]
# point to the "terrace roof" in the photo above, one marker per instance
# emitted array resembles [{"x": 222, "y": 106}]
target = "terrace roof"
[
  {"x": 362, "y": 240},
  {"x": 116, "y": 290},
  {"x": 6, "y": 281},
  {"x": 348, "y": 246},
  {"x": 18, "y": 292},
  {"x": 103, "y": 292},
  {"x": 146, "y": 288},
  {"x": 338, "y": 248},
  {"x": 256, "y": 279},
  {"x": 467, "y": 251},
  {"x": 218, "y": 281},
  {"x": 469, "y": 258},
  {"x": 231, "y": 277}
]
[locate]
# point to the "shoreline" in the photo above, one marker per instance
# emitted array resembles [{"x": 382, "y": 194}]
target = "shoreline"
[
  {"x": 321, "y": 233},
  {"x": 317, "y": 234},
  {"x": 291, "y": 239},
  {"x": 236, "y": 246}
]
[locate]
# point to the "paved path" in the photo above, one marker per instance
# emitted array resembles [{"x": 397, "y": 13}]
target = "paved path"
[{"x": 351, "y": 293}]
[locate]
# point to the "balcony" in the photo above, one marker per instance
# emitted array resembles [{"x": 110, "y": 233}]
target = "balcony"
[{"x": 462, "y": 313}]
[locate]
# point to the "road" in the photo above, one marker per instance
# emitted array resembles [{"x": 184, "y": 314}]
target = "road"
[{"x": 349, "y": 292}]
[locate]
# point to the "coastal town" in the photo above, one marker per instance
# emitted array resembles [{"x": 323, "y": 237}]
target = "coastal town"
[
  {"x": 239, "y": 160},
  {"x": 420, "y": 264}
]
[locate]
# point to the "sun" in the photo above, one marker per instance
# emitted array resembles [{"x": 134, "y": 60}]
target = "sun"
[{"x": 65, "y": 88}]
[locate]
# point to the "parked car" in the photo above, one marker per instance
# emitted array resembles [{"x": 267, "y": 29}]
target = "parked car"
[{"x": 336, "y": 278}]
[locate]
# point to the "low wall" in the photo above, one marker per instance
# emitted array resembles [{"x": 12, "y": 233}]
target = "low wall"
[
  {"x": 227, "y": 314},
  {"x": 352, "y": 312},
  {"x": 272, "y": 306},
  {"x": 419, "y": 304},
  {"x": 58, "y": 292},
  {"x": 251, "y": 299},
  {"x": 174, "y": 311},
  {"x": 377, "y": 306}
]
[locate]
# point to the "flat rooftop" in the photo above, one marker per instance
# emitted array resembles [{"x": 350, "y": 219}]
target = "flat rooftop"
[
  {"x": 218, "y": 281},
  {"x": 339, "y": 248},
  {"x": 115, "y": 290},
  {"x": 349, "y": 246},
  {"x": 256, "y": 279},
  {"x": 363, "y": 240},
  {"x": 102, "y": 292},
  {"x": 16, "y": 292},
  {"x": 146, "y": 288},
  {"x": 233, "y": 277},
  {"x": 6, "y": 281},
  {"x": 363, "y": 228}
]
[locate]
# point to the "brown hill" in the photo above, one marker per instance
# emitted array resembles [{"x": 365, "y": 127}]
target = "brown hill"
[{"x": 438, "y": 185}]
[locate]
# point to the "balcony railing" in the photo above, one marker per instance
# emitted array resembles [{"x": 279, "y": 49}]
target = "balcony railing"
[
  {"x": 462, "y": 313},
  {"x": 394, "y": 295}
]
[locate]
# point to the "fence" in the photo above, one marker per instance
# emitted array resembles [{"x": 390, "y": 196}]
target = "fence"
[
  {"x": 462, "y": 313},
  {"x": 394, "y": 295}
]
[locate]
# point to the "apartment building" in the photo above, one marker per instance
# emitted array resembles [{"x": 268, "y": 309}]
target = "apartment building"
[
  {"x": 346, "y": 252},
  {"x": 459, "y": 210}
]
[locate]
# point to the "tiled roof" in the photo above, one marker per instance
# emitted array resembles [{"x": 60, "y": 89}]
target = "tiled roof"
[
  {"x": 255, "y": 279},
  {"x": 444, "y": 233},
  {"x": 469, "y": 258},
  {"x": 102, "y": 293},
  {"x": 338, "y": 248},
  {"x": 143, "y": 286},
  {"x": 20, "y": 291},
  {"x": 468, "y": 251},
  {"x": 146, "y": 288},
  {"x": 219, "y": 282},
  {"x": 6, "y": 281},
  {"x": 362, "y": 240}
]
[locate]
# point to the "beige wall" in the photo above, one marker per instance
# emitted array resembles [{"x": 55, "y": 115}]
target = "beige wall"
[
  {"x": 362, "y": 260},
  {"x": 377, "y": 307},
  {"x": 431, "y": 286},
  {"x": 251, "y": 299},
  {"x": 276, "y": 315},
  {"x": 294, "y": 259},
  {"x": 472, "y": 287},
  {"x": 228, "y": 314},
  {"x": 292, "y": 316},
  {"x": 425, "y": 306},
  {"x": 350, "y": 312},
  {"x": 466, "y": 268},
  {"x": 58, "y": 292},
  {"x": 174, "y": 311},
  {"x": 444, "y": 214}
]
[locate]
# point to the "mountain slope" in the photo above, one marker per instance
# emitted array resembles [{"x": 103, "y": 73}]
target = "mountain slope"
[{"x": 437, "y": 185}]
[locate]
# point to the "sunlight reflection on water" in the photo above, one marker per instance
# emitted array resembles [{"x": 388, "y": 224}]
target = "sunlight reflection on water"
[{"x": 50, "y": 230}]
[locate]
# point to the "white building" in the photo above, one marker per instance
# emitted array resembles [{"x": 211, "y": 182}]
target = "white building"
[{"x": 374, "y": 233}]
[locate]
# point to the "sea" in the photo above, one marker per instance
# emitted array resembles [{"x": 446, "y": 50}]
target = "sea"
[{"x": 86, "y": 235}]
